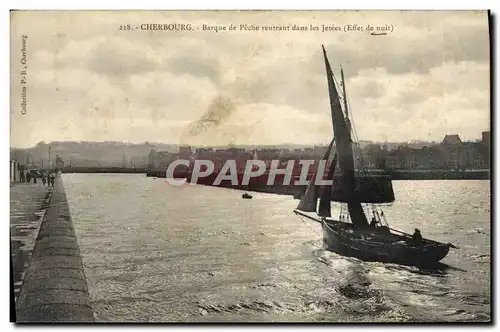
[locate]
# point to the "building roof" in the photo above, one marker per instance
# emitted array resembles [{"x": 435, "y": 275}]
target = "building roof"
[{"x": 452, "y": 139}]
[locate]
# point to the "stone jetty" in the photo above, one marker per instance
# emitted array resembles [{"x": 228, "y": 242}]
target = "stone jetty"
[{"x": 53, "y": 287}]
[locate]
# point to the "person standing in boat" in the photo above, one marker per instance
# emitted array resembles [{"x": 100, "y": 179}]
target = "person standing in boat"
[
  {"x": 374, "y": 222},
  {"x": 416, "y": 238}
]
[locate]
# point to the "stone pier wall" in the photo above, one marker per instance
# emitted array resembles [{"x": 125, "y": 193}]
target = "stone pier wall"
[{"x": 54, "y": 287}]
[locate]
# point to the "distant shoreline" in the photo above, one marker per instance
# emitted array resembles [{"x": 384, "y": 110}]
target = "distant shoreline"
[
  {"x": 395, "y": 175},
  {"x": 440, "y": 175}
]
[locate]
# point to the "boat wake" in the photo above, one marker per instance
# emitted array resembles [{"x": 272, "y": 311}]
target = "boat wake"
[
  {"x": 265, "y": 306},
  {"x": 389, "y": 291}
]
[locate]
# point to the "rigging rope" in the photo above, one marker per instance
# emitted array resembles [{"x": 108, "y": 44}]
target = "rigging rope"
[
  {"x": 362, "y": 166},
  {"x": 307, "y": 223}
]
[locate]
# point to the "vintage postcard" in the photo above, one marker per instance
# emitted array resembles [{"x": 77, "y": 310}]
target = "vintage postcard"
[{"x": 250, "y": 166}]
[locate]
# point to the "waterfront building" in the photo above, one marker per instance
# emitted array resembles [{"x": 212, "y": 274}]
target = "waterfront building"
[
  {"x": 485, "y": 138},
  {"x": 451, "y": 140}
]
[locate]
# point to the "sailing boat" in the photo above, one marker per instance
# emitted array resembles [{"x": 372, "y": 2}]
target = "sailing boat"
[{"x": 351, "y": 234}]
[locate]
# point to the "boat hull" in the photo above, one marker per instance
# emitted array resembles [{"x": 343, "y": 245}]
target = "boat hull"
[{"x": 343, "y": 239}]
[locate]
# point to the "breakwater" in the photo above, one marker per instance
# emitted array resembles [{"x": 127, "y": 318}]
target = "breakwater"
[
  {"x": 256, "y": 184},
  {"x": 259, "y": 184},
  {"x": 131, "y": 170},
  {"x": 440, "y": 175},
  {"x": 54, "y": 288},
  {"x": 483, "y": 174}
]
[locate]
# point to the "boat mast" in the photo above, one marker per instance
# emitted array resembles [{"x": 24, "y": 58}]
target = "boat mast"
[
  {"x": 346, "y": 189},
  {"x": 346, "y": 108},
  {"x": 374, "y": 209},
  {"x": 342, "y": 136}
]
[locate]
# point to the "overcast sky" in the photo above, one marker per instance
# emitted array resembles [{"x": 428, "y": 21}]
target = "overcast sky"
[{"x": 89, "y": 81}]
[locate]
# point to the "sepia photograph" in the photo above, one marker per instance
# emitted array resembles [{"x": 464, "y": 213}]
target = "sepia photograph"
[{"x": 250, "y": 166}]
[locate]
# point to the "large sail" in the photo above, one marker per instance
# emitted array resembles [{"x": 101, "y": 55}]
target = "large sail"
[
  {"x": 344, "y": 150},
  {"x": 369, "y": 189},
  {"x": 309, "y": 201},
  {"x": 324, "y": 209}
]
